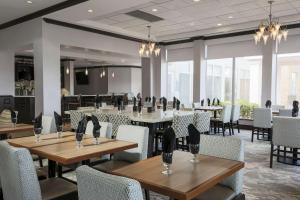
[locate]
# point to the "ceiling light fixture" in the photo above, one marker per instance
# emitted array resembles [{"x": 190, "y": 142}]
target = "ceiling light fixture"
[
  {"x": 230, "y": 17},
  {"x": 270, "y": 29},
  {"x": 154, "y": 10},
  {"x": 149, "y": 47},
  {"x": 67, "y": 70},
  {"x": 30, "y": 2},
  {"x": 90, "y": 10},
  {"x": 113, "y": 75},
  {"x": 219, "y": 24},
  {"x": 86, "y": 71},
  {"x": 196, "y": 0}
]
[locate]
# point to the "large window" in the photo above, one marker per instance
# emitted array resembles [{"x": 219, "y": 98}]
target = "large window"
[
  {"x": 248, "y": 79},
  {"x": 219, "y": 79},
  {"x": 180, "y": 81},
  {"x": 288, "y": 71}
]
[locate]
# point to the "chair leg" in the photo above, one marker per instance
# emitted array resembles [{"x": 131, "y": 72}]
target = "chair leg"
[
  {"x": 232, "y": 129},
  {"x": 147, "y": 194},
  {"x": 41, "y": 162},
  {"x": 238, "y": 126},
  {"x": 252, "y": 134},
  {"x": 223, "y": 129},
  {"x": 271, "y": 155}
]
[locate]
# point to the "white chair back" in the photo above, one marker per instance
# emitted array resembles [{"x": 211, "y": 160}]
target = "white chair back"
[
  {"x": 286, "y": 131},
  {"x": 228, "y": 148},
  {"x": 197, "y": 105},
  {"x": 285, "y": 112},
  {"x": 202, "y": 121},
  {"x": 262, "y": 118},
  {"x": 105, "y": 130},
  {"x": 104, "y": 104},
  {"x": 137, "y": 134},
  {"x": 236, "y": 112},
  {"x": 93, "y": 184},
  {"x": 226, "y": 113},
  {"x": 180, "y": 124},
  {"x": 17, "y": 173},
  {"x": 276, "y": 108},
  {"x": 48, "y": 124}
]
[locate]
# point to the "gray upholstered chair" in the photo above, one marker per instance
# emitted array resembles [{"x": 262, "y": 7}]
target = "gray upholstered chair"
[
  {"x": 20, "y": 182},
  {"x": 137, "y": 134},
  {"x": 285, "y": 112},
  {"x": 202, "y": 121},
  {"x": 93, "y": 185},
  {"x": 262, "y": 123},
  {"x": 235, "y": 117},
  {"x": 117, "y": 120},
  {"x": 286, "y": 134},
  {"x": 276, "y": 108},
  {"x": 228, "y": 148},
  {"x": 224, "y": 121}
]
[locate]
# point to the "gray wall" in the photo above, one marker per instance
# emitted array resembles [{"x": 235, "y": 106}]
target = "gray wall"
[{"x": 96, "y": 84}]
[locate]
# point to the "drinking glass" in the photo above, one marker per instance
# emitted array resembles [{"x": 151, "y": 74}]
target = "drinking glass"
[
  {"x": 59, "y": 131},
  {"x": 37, "y": 133},
  {"x": 194, "y": 149},
  {"x": 167, "y": 161},
  {"x": 79, "y": 137}
]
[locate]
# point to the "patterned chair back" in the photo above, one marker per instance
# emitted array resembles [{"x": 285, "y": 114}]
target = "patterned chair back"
[
  {"x": 17, "y": 172},
  {"x": 75, "y": 117},
  {"x": 180, "y": 124},
  {"x": 228, "y": 148},
  {"x": 202, "y": 121},
  {"x": 116, "y": 120},
  {"x": 102, "y": 117},
  {"x": 93, "y": 184}
]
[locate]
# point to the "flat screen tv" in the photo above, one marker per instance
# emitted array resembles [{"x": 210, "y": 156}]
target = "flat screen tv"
[{"x": 81, "y": 78}]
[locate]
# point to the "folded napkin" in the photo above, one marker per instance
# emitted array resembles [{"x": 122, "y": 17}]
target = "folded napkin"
[
  {"x": 177, "y": 104},
  {"x": 153, "y": 102},
  {"x": 164, "y": 104},
  {"x": 96, "y": 129},
  {"x": 98, "y": 101},
  {"x": 134, "y": 101},
  {"x": 202, "y": 102},
  {"x": 140, "y": 105},
  {"x": 194, "y": 134},
  {"x": 168, "y": 141},
  {"x": 218, "y": 102},
  {"x": 81, "y": 129},
  {"x": 214, "y": 101},
  {"x": 268, "y": 104},
  {"x": 295, "y": 109},
  {"x": 174, "y": 102},
  {"x": 208, "y": 101},
  {"x": 38, "y": 121},
  {"x": 119, "y": 103},
  {"x": 58, "y": 121}
]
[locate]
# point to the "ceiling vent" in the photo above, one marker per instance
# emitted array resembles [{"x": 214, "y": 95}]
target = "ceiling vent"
[{"x": 144, "y": 16}]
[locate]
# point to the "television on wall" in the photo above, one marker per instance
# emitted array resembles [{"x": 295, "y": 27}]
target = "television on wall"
[{"x": 82, "y": 78}]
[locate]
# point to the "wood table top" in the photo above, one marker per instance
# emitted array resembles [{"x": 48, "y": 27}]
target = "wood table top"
[
  {"x": 67, "y": 152},
  {"x": 45, "y": 139},
  {"x": 187, "y": 181},
  {"x": 9, "y": 128}
]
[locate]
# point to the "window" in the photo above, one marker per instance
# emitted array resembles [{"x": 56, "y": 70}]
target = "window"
[
  {"x": 288, "y": 68},
  {"x": 248, "y": 80},
  {"x": 180, "y": 81},
  {"x": 219, "y": 79}
]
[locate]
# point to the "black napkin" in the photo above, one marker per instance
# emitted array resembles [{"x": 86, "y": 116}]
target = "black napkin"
[
  {"x": 153, "y": 102},
  {"x": 13, "y": 116},
  {"x": 38, "y": 124},
  {"x": 98, "y": 101},
  {"x": 174, "y": 102},
  {"x": 218, "y": 102},
  {"x": 214, "y": 101},
  {"x": 140, "y": 105},
  {"x": 168, "y": 141},
  {"x": 164, "y": 104},
  {"x": 268, "y": 104},
  {"x": 161, "y": 100},
  {"x": 134, "y": 101},
  {"x": 194, "y": 134},
  {"x": 119, "y": 103},
  {"x": 58, "y": 121},
  {"x": 295, "y": 109},
  {"x": 177, "y": 104},
  {"x": 146, "y": 99},
  {"x": 96, "y": 129},
  {"x": 81, "y": 129},
  {"x": 202, "y": 102},
  {"x": 208, "y": 101}
]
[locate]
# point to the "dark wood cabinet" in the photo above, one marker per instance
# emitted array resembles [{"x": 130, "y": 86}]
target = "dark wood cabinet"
[{"x": 25, "y": 107}]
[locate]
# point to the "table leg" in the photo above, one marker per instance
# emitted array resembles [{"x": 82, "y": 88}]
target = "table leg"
[
  {"x": 147, "y": 194},
  {"x": 51, "y": 169},
  {"x": 152, "y": 129},
  {"x": 215, "y": 123},
  {"x": 59, "y": 171}
]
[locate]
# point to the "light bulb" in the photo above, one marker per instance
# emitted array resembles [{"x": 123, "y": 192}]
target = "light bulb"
[
  {"x": 265, "y": 38},
  {"x": 262, "y": 29},
  {"x": 147, "y": 53},
  {"x": 277, "y": 27},
  {"x": 103, "y": 72},
  {"x": 285, "y": 34},
  {"x": 86, "y": 71},
  {"x": 113, "y": 75},
  {"x": 67, "y": 70},
  {"x": 279, "y": 37},
  {"x": 157, "y": 51},
  {"x": 259, "y": 35},
  {"x": 141, "y": 52},
  {"x": 151, "y": 47},
  {"x": 100, "y": 75},
  {"x": 256, "y": 38}
]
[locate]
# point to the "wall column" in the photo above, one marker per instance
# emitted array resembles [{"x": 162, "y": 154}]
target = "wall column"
[
  {"x": 69, "y": 78},
  {"x": 7, "y": 72},
  {"x": 146, "y": 77},
  {"x": 269, "y": 73},
  {"x": 199, "y": 91},
  {"x": 47, "y": 76},
  {"x": 159, "y": 77}
]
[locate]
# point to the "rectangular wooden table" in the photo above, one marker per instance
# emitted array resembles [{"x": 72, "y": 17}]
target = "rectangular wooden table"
[
  {"x": 187, "y": 181},
  {"x": 9, "y": 128}
]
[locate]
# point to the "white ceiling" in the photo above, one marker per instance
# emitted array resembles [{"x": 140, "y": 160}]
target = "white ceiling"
[
  {"x": 182, "y": 18},
  {"x": 12, "y": 9}
]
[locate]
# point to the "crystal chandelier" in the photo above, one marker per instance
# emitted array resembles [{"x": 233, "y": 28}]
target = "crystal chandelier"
[
  {"x": 149, "y": 47},
  {"x": 271, "y": 29}
]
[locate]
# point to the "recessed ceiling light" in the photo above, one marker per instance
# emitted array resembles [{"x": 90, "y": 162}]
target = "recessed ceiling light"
[
  {"x": 154, "y": 10},
  {"x": 230, "y": 17},
  {"x": 90, "y": 10},
  {"x": 192, "y": 24},
  {"x": 196, "y": 0},
  {"x": 30, "y": 2},
  {"x": 219, "y": 24}
]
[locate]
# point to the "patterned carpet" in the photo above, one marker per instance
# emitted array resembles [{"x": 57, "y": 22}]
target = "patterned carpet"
[{"x": 260, "y": 181}]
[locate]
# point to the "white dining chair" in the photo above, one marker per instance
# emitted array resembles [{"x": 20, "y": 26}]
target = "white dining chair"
[
  {"x": 262, "y": 123},
  {"x": 285, "y": 112},
  {"x": 235, "y": 117},
  {"x": 196, "y": 105},
  {"x": 224, "y": 121},
  {"x": 276, "y": 108},
  {"x": 48, "y": 124},
  {"x": 93, "y": 184},
  {"x": 136, "y": 134},
  {"x": 286, "y": 134}
]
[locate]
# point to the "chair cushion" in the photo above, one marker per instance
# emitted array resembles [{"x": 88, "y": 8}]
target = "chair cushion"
[
  {"x": 218, "y": 192},
  {"x": 111, "y": 165},
  {"x": 57, "y": 188}
]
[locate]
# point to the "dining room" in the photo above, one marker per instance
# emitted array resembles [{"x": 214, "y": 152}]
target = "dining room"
[{"x": 149, "y": 99}]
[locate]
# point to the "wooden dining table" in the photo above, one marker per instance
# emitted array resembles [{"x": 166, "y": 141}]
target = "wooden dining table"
[
  {"x": 64, "y": 151},
  {"x": 187, "y": 181},
  {"x": 6, "y": 129}
]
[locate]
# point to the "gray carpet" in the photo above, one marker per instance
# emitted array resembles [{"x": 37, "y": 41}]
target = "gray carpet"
[{"x": 260, "y": 182}]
